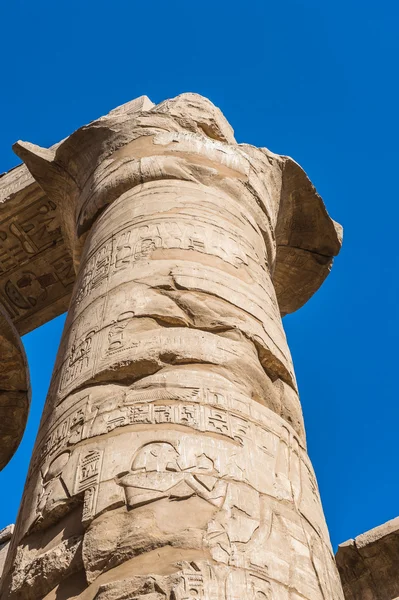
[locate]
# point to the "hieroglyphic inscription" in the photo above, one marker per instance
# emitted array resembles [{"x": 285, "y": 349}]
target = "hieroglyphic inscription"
[
  {"x": 28, "y": 232},
  {"x": 66, "y": 431},
  {"x": 15, "y": 181},
  {"x": 196, "y": 416},
  {"x": 35, "y": 268},
  {"x": 78, "y": 361},
  {"x": 136, "y": 243},
  {"x": 193, "y": 581},
  {"x": 87, "y": 480},
  {"x": 69, "y": 431},
  {"x": 82, "y": 362}
]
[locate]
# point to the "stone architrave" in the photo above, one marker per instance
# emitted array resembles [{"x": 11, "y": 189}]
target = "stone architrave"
[
  {"x": 369, "y": 564},
  {"x": 171, "y": 459},
  {"x": 36, "y": 270}
]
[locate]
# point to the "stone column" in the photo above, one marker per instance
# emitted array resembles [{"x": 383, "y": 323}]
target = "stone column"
[
  {"x": 14, "y": 389},
  {"x": 171, "y": 460}
]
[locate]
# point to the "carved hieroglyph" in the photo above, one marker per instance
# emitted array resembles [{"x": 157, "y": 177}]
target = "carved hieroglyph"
[
  {"x": 171, "y": 462},
  {"x": 36, "y": 270}
]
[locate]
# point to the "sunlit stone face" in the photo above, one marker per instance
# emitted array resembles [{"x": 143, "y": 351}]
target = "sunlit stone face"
[{"x": 171, "y": 460}]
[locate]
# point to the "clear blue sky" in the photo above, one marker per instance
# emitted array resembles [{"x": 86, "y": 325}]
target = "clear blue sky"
[{"x": 314, "y": 79}]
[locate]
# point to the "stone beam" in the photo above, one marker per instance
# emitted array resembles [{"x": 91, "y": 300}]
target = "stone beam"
[
  {"x": 369, "y": 564},
  {"x": 36, "y": 270}
]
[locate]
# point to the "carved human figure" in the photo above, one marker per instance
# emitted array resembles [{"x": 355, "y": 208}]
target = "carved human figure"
[
  {"x": 156, "y": 474},
  {"x": 171, "y": 459}
]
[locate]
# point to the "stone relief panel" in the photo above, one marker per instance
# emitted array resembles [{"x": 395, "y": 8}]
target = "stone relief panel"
[
  {"x": 233, "y": 472},
  {"x": 36, "y": 271}
]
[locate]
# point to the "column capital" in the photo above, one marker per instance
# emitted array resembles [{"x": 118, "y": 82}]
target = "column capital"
[{"x": 188, "y": 138}]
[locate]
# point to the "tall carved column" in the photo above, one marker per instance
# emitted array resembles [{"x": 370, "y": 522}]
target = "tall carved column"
[{"x": 171, "y": 460}]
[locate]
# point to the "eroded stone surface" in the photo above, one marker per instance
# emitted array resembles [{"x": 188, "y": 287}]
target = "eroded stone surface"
[
  {"x": 36, "y": 270},
  {"x": 36, "y": 267},
  {"x": 14, "y": 389},
  {"x": 5, "y": 538},
  {"x": 369, "y": 564},
  {"x": 171, "y": 459}
]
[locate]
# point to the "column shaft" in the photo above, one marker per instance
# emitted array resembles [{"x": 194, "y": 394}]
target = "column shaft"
[{"x": 171, "y": 460}]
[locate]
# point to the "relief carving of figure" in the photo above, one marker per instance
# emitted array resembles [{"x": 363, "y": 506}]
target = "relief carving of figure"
[
  {"x": 156, "y": 474},
  {"x": 188, "y": 248}
]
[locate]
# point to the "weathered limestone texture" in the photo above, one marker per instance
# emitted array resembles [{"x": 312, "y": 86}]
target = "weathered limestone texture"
[
  {"x": 171, "y": 458},
  {"x": 369, "y": 564},
  {"x": 5, "y": 538},
  {"x": 14, "y": 389},
  {"x": 36, "y": 270}
]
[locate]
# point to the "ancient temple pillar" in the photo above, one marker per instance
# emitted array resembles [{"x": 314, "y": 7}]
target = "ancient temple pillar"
[
  {"x": 14, "y": 389},
  {"x": 171, "y": 458}
]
